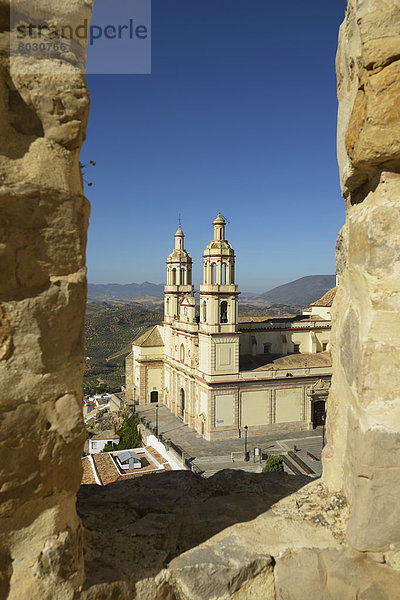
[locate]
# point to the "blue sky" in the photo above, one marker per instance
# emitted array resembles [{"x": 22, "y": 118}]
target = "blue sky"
[{"x": 238, "y": 116}]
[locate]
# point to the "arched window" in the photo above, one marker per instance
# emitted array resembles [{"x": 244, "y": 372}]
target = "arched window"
[
  {"x": 204, "y": 311},
  {"x": 173, "y": 280},
  {"x": 182, "y": 277},
  {"x": 224, "y": 312},
  {"x": 189, "y": 277},
  {"x": 182, "y": 401},
  {"x": 223, "y": 274},
  {"x": 182, "y": 353},
  {"x": 213, "y": 270},
  {"x": 167, "y": 306}
]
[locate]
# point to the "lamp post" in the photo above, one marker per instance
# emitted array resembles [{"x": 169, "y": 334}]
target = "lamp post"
[
  {"x": 246, "y": 454},
  {"x": 134, "y": 400},
  {"x": 323, "y": 430},
  {"x": 156, "y": 420}
]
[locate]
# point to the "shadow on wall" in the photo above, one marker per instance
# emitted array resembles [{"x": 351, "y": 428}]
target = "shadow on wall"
[{"x": 134, "y": 528}]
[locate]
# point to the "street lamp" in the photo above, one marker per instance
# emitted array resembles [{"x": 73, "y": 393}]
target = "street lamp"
[
  {"x": 156, "y": 420},
  {"x": 246, "y": 454},
  {"x": 323, "y": 429},
  {"x": 134, "y": 400}
]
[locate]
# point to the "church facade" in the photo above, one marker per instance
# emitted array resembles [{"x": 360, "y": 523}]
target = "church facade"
[{"x": 220, "y": 372}]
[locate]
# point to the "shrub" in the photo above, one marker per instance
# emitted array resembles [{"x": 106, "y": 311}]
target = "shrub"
[
  {"x": 109, "y": 447},
  {"x": 273, "y": 463}
]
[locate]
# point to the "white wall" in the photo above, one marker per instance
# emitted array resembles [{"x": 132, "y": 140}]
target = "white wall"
[
  {"x": 157, "y": 445},
  {"x": 99, "y": 445}
]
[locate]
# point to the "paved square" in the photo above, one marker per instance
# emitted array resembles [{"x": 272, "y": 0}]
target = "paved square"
[{"x": 211, "y": 457}]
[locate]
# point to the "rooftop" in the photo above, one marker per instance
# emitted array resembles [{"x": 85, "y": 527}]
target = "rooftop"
[
  {"x": 267, "y": 319},
  {"x": 108, "y": 472},
  {"x": 282, "y": 322},
  {"x": 150, "y": 338},
  {"x": 107, "y": 434},
  {"x": 87, "y": 475},
  {"x": 269, "y": 362}
]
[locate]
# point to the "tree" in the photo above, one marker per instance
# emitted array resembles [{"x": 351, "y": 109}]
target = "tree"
[
  {"x": 273, "y": 463},
  {"x": 129, "y": 434}
]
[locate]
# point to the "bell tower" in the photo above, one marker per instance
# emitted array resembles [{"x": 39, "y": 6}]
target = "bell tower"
[
  {"x": 179, "y": 292},
  {"x": 218, "y": 335},
  {"x": 218, "y": 292}
]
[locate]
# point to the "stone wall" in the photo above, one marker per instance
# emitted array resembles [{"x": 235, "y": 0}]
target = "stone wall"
[
  {"x": 235, "y": 536},
  {"x": 363, "y": 453},
  {"x": 43, "y": 223}
]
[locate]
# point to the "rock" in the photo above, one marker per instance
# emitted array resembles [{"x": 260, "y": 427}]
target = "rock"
[
  {"x": 175, "y": 536},
  {"x": 43, "y": 222},
  {"x": 368, "y": 84},
  {"x": 363, "y": 423},
  {"x": 162, "y": 516},
  {"x": 330, "y": 574},
  {"x": 215, "y": 571}
]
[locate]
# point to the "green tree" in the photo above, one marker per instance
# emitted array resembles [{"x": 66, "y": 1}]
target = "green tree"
[
  {"x": 129, "y": 434},
  {"x": 273, "y": 463}
]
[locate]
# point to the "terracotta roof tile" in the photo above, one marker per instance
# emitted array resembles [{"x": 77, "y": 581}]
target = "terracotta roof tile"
[
  {"x": 107, "y": 434},
  {"x": 105, "y": 467},
  {"x": 88, "y": 477}
]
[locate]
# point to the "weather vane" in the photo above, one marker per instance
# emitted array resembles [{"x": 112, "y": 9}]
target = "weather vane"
[
  {"x": 180, "y": 220},
  {"x": 225, "y": 219}
]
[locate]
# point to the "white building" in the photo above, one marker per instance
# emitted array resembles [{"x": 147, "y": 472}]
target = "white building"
[
  {"x": 220, "y": 373},
  {"x": 98, "y": 441}
]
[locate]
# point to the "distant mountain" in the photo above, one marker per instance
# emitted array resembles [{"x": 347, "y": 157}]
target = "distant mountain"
[
  {"x": 128, "y": 291},
  {"x": 302, "y": 291}
]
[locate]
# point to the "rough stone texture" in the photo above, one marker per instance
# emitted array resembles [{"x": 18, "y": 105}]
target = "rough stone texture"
[
  {"x": 363, "y": 452},
  {"x": 331, "y": 573},
  {"x": 201, "y": 539},
  {"x": 43, "y": 223},
  {"x": 196, "y": 538},
  {"x": 175, "y": 536},
  {"x": 368, "y": 89}
]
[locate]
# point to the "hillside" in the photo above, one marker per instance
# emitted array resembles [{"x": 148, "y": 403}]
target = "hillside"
[
  {"x": 271, "y": 310},
  {"x": 128, "y": 291},
  {"x": 302, "y": 291},
  {"x": 109, "y": 331}
]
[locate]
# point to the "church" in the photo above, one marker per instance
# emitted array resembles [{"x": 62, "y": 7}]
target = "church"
[{"x": 221, "y": 373}]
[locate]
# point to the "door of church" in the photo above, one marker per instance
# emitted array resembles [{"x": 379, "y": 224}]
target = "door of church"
[
  {"x": 154, "y": 397},
  {"x": 318, "y": 413}
]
